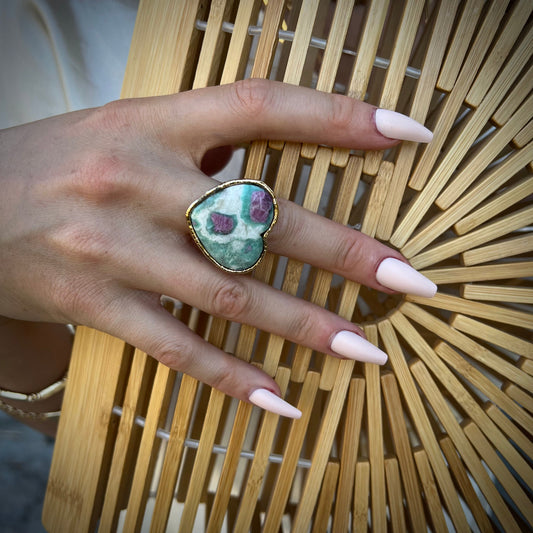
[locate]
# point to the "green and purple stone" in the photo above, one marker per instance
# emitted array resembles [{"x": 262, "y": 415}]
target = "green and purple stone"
[{"x": 230, "y": 223}]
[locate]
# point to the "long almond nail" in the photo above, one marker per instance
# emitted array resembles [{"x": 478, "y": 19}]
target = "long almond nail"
[
  {"x": 397, "y": 126},
  {"x": 269, "y": 401},
  {"x": 400, "y": 276},
  {"x": 353, "y": 346}
]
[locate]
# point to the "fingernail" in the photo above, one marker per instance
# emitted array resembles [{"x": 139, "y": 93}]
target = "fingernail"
[
  {"x": 271, "y": 402},
  {"x": 353, "y": 346},
  {"x": 397, "y": 126},
  {"x": 400, "y": 276}
]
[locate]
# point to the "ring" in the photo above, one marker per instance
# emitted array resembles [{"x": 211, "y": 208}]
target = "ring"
[{"x": 230, "y": 223}]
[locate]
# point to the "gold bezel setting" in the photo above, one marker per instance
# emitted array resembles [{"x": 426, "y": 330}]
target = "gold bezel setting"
[{"x": 263, "y": 235}]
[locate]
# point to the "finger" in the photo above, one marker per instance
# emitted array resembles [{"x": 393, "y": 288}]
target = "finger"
[
  {"x": 245, "y": 300},
  {"x": 139, "y": 319},
  {"x": 318, "y": 241},
  {"x": 260, "y": 109},
  {"x": 305, "y": 236}
]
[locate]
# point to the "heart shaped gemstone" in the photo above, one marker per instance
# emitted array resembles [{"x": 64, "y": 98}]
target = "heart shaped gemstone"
[{"x": 230, "y": 223}]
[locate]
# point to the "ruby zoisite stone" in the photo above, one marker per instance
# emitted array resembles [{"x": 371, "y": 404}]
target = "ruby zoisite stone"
[
  {"x": 260, "y": 206},
  {"x": 222, "y": 224}
]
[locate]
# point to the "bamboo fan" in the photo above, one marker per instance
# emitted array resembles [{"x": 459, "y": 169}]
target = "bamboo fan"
[{"x": 440, "y": 437}]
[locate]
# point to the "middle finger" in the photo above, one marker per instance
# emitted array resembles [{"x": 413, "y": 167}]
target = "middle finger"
[{"x": 246, "y": 300}]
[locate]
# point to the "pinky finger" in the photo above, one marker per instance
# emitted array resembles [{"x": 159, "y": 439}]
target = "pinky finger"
[{"x": 145, "y": 324}]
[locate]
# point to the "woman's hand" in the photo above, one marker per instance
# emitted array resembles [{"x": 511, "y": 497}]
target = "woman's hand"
[{"x": 93, "y": 228}]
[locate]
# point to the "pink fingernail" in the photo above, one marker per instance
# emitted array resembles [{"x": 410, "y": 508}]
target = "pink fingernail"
[
  {"x": 400, "y": 276},
  {"x": 353, "y": 346},
  {"x": 271, "y": 402},
  {"x": 397, "y": 126}
]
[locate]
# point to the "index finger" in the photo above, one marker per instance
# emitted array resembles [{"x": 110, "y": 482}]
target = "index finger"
[{"x": 255, "y": 109}]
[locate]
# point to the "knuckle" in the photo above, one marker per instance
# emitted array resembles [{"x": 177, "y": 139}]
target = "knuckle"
[
  {"x": 224, "y": 378},
  {"x": 174, "y": 353},
  {"x": 303, "y": 327},
  {"x": 231, "y": 299},
  {"x": 114, "y": 116},
  {"x": 341, "y": 113},
  {"x": 251, "y": 96},
  {"x": 348, "y": 255},
  {"x": 99, "y": 178},
  {"x": 81, "y": 244}
]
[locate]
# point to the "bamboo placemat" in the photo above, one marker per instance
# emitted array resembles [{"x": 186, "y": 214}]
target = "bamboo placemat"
[{"x": 437, "y": 439}]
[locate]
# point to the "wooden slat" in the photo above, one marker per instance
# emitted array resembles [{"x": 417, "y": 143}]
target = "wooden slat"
[
  {"x": 291, "y": 454},
  {"x": 490, "y": 231},
  {"x": 523, "y": 136},
  {"x": 412, "y": 489},
  {"x": 160, "y": 68},
  {"x": 299, "y": 50},
  {"x": 467, "y": 490},
  {"x": 348, "y": 459},
  {"x": 461, "y": 442},
  {"x": 360, "y": 497},
  {"x": 431, "y": 493},
  {"x": 157, "y": 410},
  {"x": 327, "y": 494},
  {"x": 519, "y": 395},
  {"x": 323, "y": 445},
  {"x": 78, "y": 471},
  {"x": 419, "y": 110},
  {"x": 485, "y": 385},
  {"x": 479, "y": 162},
  {"x": 259, "y": 464},
  {"x": 502, "y": 202},
  {"x": 375, "y": 439},
  {"x": 517, "y": 18},
  {"x": 332, "y": 56},
  {"x": 442, "y": 276},
  {"x": 495, "y": 313},
  {"x": 514, "y": 433},
  {"x": 502, "y": 473},
  {"x": 139, "y": 382},
  {"x": 492, "y": 335},
  {"x": 491, "y": 182},
  {"x": 229, "y": 468},
  {"x": 497, "y": 293},
  {"x": 211, "y": 43},
  {"x": 174, "y": 453},
  {"x": 459, "y": 44},
  {"x": 424, "y": 200},
  {"x": 378, "y": 196},
  {"x": 499, "y": 250},
  {"x": 359, "y": 80},
  {"x": 399, "y": 60},
  {"x": 475, "y": 350},
  {"x": 514, "y": 99},
  {"x": 457, "y": 389},
  {"x": 240, "y": 42},
  {"x": 201, "y": 462},
  {"x": 395, "y": 496}
]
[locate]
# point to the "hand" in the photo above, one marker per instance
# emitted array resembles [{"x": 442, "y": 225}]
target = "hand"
[{"x": 93, "y": 227}]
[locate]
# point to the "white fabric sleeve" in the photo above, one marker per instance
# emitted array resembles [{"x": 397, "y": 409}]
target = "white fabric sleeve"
[{"x": 61, "y": 55}]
